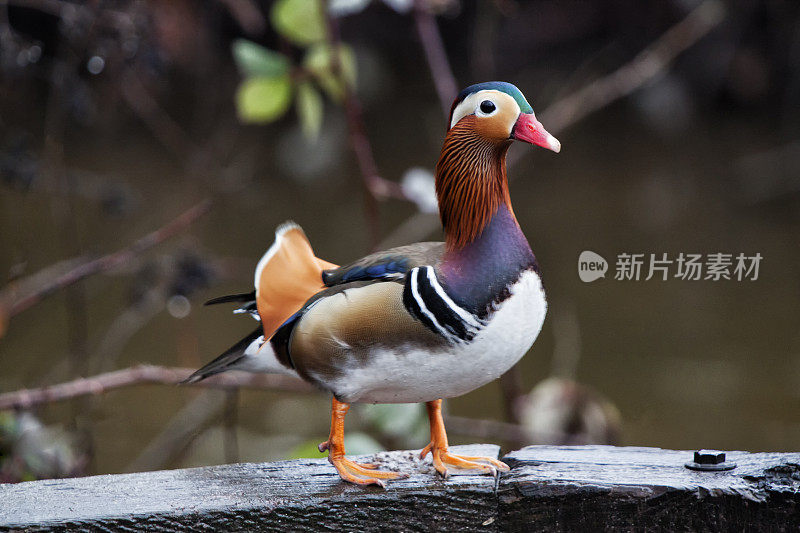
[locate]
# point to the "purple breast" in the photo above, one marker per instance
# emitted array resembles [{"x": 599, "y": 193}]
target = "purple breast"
[{"x": 479, "y": 275}]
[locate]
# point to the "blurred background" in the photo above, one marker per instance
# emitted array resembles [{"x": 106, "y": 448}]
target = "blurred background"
[{"x": 148, "y": 150}]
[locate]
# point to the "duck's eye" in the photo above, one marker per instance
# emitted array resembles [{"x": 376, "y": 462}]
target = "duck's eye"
[{"x": 488, "y": 107}]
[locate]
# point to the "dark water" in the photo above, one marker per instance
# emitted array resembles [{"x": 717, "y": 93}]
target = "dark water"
[{"x": 689, "y": 364}]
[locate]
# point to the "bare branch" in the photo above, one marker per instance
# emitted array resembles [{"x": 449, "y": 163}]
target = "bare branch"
[
  {"x": 127, "y": 324},
  {"x": 163, "y": 127},
  {"x": 648, "y": 64},
  {"x": 379, "y": 187},
  {"x": 442, "y": 74},
  {"x": 101, "y": 264},
  {"x": 143, "y": 374},
  {"x": 376, "y": 187}
]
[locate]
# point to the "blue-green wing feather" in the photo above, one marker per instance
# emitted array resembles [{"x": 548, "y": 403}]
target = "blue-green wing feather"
[{"x": 388, "y": 265}]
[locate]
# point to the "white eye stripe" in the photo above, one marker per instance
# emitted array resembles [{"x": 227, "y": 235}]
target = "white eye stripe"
[
  {"x": 466, "y": 107},
  {"x": 471, "y": 104}
]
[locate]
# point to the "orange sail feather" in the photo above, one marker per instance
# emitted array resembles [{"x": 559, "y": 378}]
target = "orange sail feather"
[{"x": 287, "y": 276}]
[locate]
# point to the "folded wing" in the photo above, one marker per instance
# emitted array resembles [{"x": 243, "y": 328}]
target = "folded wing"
[
  {"x": 388, "y": 265},
  {"x": 289, "y": 280}
]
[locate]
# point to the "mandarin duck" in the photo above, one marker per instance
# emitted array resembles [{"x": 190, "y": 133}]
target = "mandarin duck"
[{"x": 416, "y": 323}]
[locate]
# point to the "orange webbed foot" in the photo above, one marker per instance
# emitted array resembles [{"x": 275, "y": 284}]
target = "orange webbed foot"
[
  {"x": 444, "y": 461},
  {"x": 360, "y": 474},
  {"x": 442, "y": 458}
]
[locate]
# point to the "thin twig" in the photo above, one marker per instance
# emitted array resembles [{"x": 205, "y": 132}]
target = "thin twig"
[
  {"x": 163, "y": 127},
  {"x": 420, "y": 225},
  {"x": 438, "y": 64},
  {"x": 202, "y": 161},
  {"x": 648, "y": 64},
  {"x": 375, "y": 187},
  {"x": 366, "y": 165},
  {"x": 104, "y": 263},
  {"x": 142, "y": 374},
  {"x": 358, "y": 138},
  {"x": 127, "y": 324},
  {"x": 379, "y": 187}
]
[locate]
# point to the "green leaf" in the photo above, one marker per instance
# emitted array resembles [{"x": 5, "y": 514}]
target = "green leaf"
[
  {"x": 255, "y": 60},
  {"x": 263, "y": 99},
  {"x": 332, "y": 77},
  {"x": 306, "y": 450},
  {"x": 310, "y": 110},
  {"x": 300, "y": 21}
]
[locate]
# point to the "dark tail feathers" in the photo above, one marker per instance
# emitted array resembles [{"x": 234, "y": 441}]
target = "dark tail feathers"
[
  {"x": 224, "y": 362},
  {"x": 243, "y": 297}
]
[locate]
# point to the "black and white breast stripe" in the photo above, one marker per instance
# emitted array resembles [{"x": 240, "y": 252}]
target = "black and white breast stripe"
[{"x": 427, "y": 301}]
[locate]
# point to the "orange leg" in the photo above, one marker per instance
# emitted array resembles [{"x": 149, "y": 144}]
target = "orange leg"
[
  {"x": 442, "y": 458},
  {"x": 362, "y": 474}
]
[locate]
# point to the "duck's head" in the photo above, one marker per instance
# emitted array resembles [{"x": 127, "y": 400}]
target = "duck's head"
[
  {"x": 471, "y": 180},
  {"x": 498, "y": 112}
]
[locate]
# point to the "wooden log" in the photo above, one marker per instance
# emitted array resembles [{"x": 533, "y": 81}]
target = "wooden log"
[
  {"x": 589, "y": 488},
  {"x": 284, "y": 496},
  {"x": 573, "y": 488}
]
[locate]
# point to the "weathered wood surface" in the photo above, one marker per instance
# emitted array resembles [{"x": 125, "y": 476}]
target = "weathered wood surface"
[
  {"x": 576, "y": 488},
  {"x": 588, "y": 488},
  {"x": 283, "y": 496}
]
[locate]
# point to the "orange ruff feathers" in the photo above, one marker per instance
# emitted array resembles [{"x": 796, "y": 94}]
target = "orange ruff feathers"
[{"x": 287, "y": 276}]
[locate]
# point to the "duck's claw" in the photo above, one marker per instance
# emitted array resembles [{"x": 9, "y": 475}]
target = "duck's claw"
[
  {"x": 362, "y": 474},
  {"x": 442, "y": 459}
]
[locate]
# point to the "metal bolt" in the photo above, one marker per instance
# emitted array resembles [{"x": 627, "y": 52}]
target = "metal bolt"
[
  {"x": 710, "y": 461},
  {"x": 709, "y": 457}
]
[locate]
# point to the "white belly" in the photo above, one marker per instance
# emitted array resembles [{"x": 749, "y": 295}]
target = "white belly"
[{"x": 418, "y": 375}]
